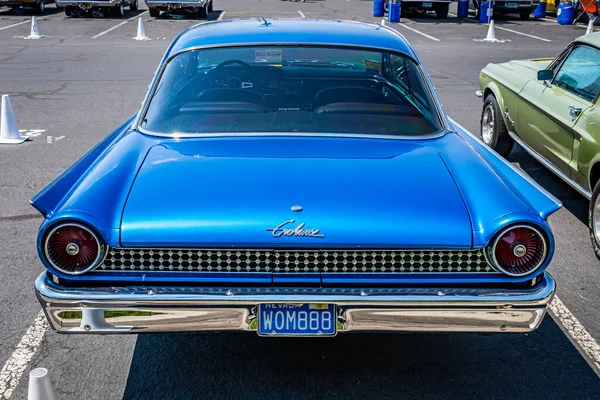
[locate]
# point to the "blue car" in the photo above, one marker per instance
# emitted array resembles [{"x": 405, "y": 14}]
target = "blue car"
[{"x": 299, "y": 178}]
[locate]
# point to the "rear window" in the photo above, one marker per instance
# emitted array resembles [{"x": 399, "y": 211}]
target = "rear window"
[{"x": 291, "y": 89}]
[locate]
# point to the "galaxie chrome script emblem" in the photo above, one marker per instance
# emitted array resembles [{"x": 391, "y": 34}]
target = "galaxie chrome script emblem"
[{"x": 297, "y": 231}]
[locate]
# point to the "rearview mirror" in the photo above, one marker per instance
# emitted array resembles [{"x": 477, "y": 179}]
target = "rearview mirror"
[{"x": 545, "y": 75}]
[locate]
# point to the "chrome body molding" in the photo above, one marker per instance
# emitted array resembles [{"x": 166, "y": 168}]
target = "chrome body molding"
[
  {"x": 550, "y": 166},
  {"x": 299, "y": 230},
  {"x": 131, "y": 309}
]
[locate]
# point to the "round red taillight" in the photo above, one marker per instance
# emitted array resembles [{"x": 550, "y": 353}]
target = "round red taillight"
[
  {"x": 518, "y": 250},
  {"x": 73, "y": 249}
]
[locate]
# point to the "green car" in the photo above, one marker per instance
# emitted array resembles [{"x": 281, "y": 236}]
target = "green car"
[{"x": 550, "y": 107}]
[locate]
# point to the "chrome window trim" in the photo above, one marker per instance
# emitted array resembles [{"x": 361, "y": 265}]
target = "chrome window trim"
[
  {"x": 445, "y": 125},
  {"x": 550, "y": 166},
  {"x": 490, "y": 255},
  {"x": 293, "y": 134},
  {"x": 102, "y": 249}
]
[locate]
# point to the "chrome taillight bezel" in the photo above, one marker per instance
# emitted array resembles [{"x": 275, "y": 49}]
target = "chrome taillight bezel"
[
  {"x": 490, "y": 253},
  {"x": 102, "y": 249}
]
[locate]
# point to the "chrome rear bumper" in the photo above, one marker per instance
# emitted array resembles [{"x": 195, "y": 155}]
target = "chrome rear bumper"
[{"x": 175, "y": 309}]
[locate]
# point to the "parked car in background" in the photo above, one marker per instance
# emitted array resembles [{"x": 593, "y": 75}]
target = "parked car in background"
[
  {"x": 552, "y": 6},
  {"x": 523, "y": 8},
  {"x": 74, "y": 8},
  {"x": 38, "y": 6},
  {"x": 550, "y": 107},
  {"x": 441, "y": 7},
  {"x": 293, "y": 178},
  {"x": 198, "y": 7}
]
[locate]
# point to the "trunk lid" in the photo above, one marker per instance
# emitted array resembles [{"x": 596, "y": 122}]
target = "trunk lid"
[{"x": 239, "y": 192}]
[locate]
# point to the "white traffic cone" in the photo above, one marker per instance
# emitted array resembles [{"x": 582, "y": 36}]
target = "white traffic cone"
[
  {"x": 35, "y": 31},
  {"x": 9, "y": 132},
  {"x": 491, "y": 35},
  {"x": 141, "y": 32},
  {"x": 590, "y": 27},
  {"x": 40, "y": 387}
]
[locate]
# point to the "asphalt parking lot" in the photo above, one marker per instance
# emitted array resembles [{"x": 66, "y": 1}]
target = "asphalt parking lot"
[{"x": 85, "y": 76}]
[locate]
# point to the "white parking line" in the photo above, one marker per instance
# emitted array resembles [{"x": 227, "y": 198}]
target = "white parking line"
[
  {"x": 17, "y": 363},
  {"x": 584, "y": 340},
  {"x": 109, "y": 30},
  {"x": 137, "y": 16},
  {"x": 523, "y": 34},
  {"x": 118, "y": 25},
  {"x": 419, "y": 32},
  {"x": 10, "y": 26},
  {"x": 221, "y": 15},
  {"x": 301, "y": 14}
]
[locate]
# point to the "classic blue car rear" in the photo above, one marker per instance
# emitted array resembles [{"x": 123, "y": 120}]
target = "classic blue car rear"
[{"x": 293, "y": 177}]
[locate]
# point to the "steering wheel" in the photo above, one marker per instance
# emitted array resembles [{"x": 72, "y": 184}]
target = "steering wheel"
[
  {"x": 232, "y": 81},
  {"x": 233, "y": 62}
]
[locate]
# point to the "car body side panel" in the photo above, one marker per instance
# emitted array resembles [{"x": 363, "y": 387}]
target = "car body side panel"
[
  {"x": 538, "y": 199},
  {"x": 50, "y": 197},
  {"x": 586, "y": 151},
  {"x": 545, "y": 124},
  {"x": 485, "y": 189},
  {"x": 506, "y": 81}
]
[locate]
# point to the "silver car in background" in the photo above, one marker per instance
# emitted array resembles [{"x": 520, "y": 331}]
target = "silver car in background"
[{"x": 198, "y": 7}]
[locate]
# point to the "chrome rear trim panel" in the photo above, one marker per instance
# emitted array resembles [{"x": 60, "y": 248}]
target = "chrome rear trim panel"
[
  {"x": 294, "y": 261},
  {"x": 172, "y": 309}
]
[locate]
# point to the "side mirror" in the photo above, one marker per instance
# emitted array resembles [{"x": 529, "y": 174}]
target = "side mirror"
[{"x": 545, "y": 75}]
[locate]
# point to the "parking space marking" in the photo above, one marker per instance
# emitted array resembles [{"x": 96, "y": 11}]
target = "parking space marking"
[
  {"x": 109, "y": 30},
  {"x": 523, "y": 34},
  {"x": 16, "y": 365},
  {"x": 419, "y": 32},
  {"x": 301, "y": 14},
  {"x": 13, "y": 25},
  {"x": 578, "y": 333},
  {"x": 118, "y": 25},
  {"x": 31, "y": 132},
  {"x": 221, "y": 15}
]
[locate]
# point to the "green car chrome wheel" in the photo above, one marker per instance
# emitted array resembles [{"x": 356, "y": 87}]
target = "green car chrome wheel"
[
  {"x": 594, "y": 220},
  {"x": 493, "y": 130}
]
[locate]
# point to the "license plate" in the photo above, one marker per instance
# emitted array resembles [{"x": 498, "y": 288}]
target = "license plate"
[
  {"x": 512, "y": 5},
  {"x": 86, "y": 6},
  {"x": 427, "y": 4},
  {"x": 287, "y": 319},
  {"x": 174, "y": 6}
]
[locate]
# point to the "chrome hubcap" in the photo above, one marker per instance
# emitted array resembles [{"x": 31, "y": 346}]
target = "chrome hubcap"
[
  {"x": 487, "y": 125},
  {"x": 596, "y": 219}
]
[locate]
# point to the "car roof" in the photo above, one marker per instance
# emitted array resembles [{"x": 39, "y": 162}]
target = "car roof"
[
  {"x": 592, "y": 38},
  {"x": 290, "y": 31}
]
